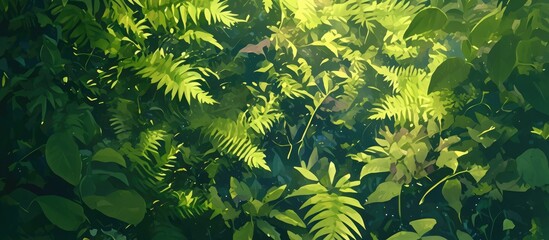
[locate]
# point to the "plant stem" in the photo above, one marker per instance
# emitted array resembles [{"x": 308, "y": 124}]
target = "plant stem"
[{"x": 438, "y": 183}]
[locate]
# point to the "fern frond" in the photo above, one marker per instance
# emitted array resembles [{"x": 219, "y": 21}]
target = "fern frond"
[
  {"x": 80, "y": 26},
  {"x": 179, "y": 79},
  {"x": 413, "y": 105},
  {"x": 232, "y": 137},
  {"x": 333, "y": 217},
  {"x": 149, "y": 142},
  {"x": 399, "y": 77},
  {"x": 189, "y": 204},
  {"x": 262, "y": 117},
  {"x": 169, "y": 13},
  {"x": 123, "y": 117},
  {"x": 331, "y": 213},
  {"x": 290, "y": 87}
]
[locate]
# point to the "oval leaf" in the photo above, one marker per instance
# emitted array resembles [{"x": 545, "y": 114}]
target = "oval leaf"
[
  {"x": 124, "y": 205},
  {"x": 404, "y": 236},
  {"x": 533, "y": 168},
  {"x": 288, "y": 216},
  {"x": 62, "y": 212},
  {"x": 63, "y": 157},
  {"x": 424, "y": 225},
  {"x": 306, "y": 173},
  {"x": 109, "y": 155},
  {"x": 449, "y": 74},
  {"x": 274, "y": 193},
  {"x": 246, "y": 232},
  {"x": 502, "y": 59},
  {"x": 385, "y": 192},
  {"x": 451, "y": 191},
  {"x": 429, "y": 19}
]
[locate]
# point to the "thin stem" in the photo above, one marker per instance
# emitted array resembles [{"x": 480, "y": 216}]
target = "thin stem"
[
  {"x": 31, "y": 152},
  {"x": 438, "y": 183},
  {"x": 313, "y": 114}
]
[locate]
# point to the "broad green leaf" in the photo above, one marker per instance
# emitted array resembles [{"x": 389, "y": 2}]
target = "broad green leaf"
[
  {"x": 331, "y": 172},
  {"x": 404, "y": 236},
  {"x": 484, "y": 28},
  {"x": 293, "y": 236},
  {"x": 502, "y": 59},
  {"x": 508, "y": 225},
  {"x": 376, "y": 166},
  {"x": 463, "y": 235},
  {"x": 449, "y": 74},
  {"x": 309, "y": 189},
  {"x": 63, "y": 157},
  {"x": 306, "y": 173},
  {"x": 246, "y": 232},
  {"x": 424, "y": 225},
  {"x": 274, "y": 193},
  {"x": 288, "y": 216},
  {"x": 478, "y": 172},
  {"x": 62, "y": 212},
  {"x": 451, "y": 191},
  {"x": 268, "y": 229},
  {"x": 535, "y": 89},
  {"x": 428, "y": 19},
  {"x": 124, "y": 205},
  {"x": 532, "y": 166},
  {"x": 384, "y": 192},
  {"x": 239, "y": 190},
  {"x": 109, "y": 155}
]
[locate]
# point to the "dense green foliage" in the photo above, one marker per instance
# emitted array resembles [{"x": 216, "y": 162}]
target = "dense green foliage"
[{"x": 274, "y": 119}]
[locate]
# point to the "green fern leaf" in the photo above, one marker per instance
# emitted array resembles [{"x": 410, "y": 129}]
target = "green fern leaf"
[
  {"x": 179, "y": 79},
  {"x": 263, "y": 116},
  {"x": 232, "y": 137}
]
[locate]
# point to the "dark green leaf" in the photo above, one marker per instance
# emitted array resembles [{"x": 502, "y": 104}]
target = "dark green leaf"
[
  {"x": 63, "y": 157},
  {"x": 124, "y": 205},
  {"x": 532, "y": 166},
  {"x": 502, "y": 59},
  {"x": 449, "y": 74},
  {"x": 246, "y": 232},
  {"x": 428, "y": 19},
  {"x": 62, "y": 212}
]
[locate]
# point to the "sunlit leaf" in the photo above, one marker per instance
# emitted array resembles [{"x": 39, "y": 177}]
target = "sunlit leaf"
[
  {"x": 109, "y": 155},
  {"x": 274, "y": 193},
  {"x": 288, "y": 216},
  {"x": 424, "y": 225},
  {"x": 384, "y": 192}
]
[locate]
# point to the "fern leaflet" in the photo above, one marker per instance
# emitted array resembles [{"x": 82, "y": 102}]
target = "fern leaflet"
[
  {"x": 232, "y": 137},
  {"x": 180, "y": 79}
]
